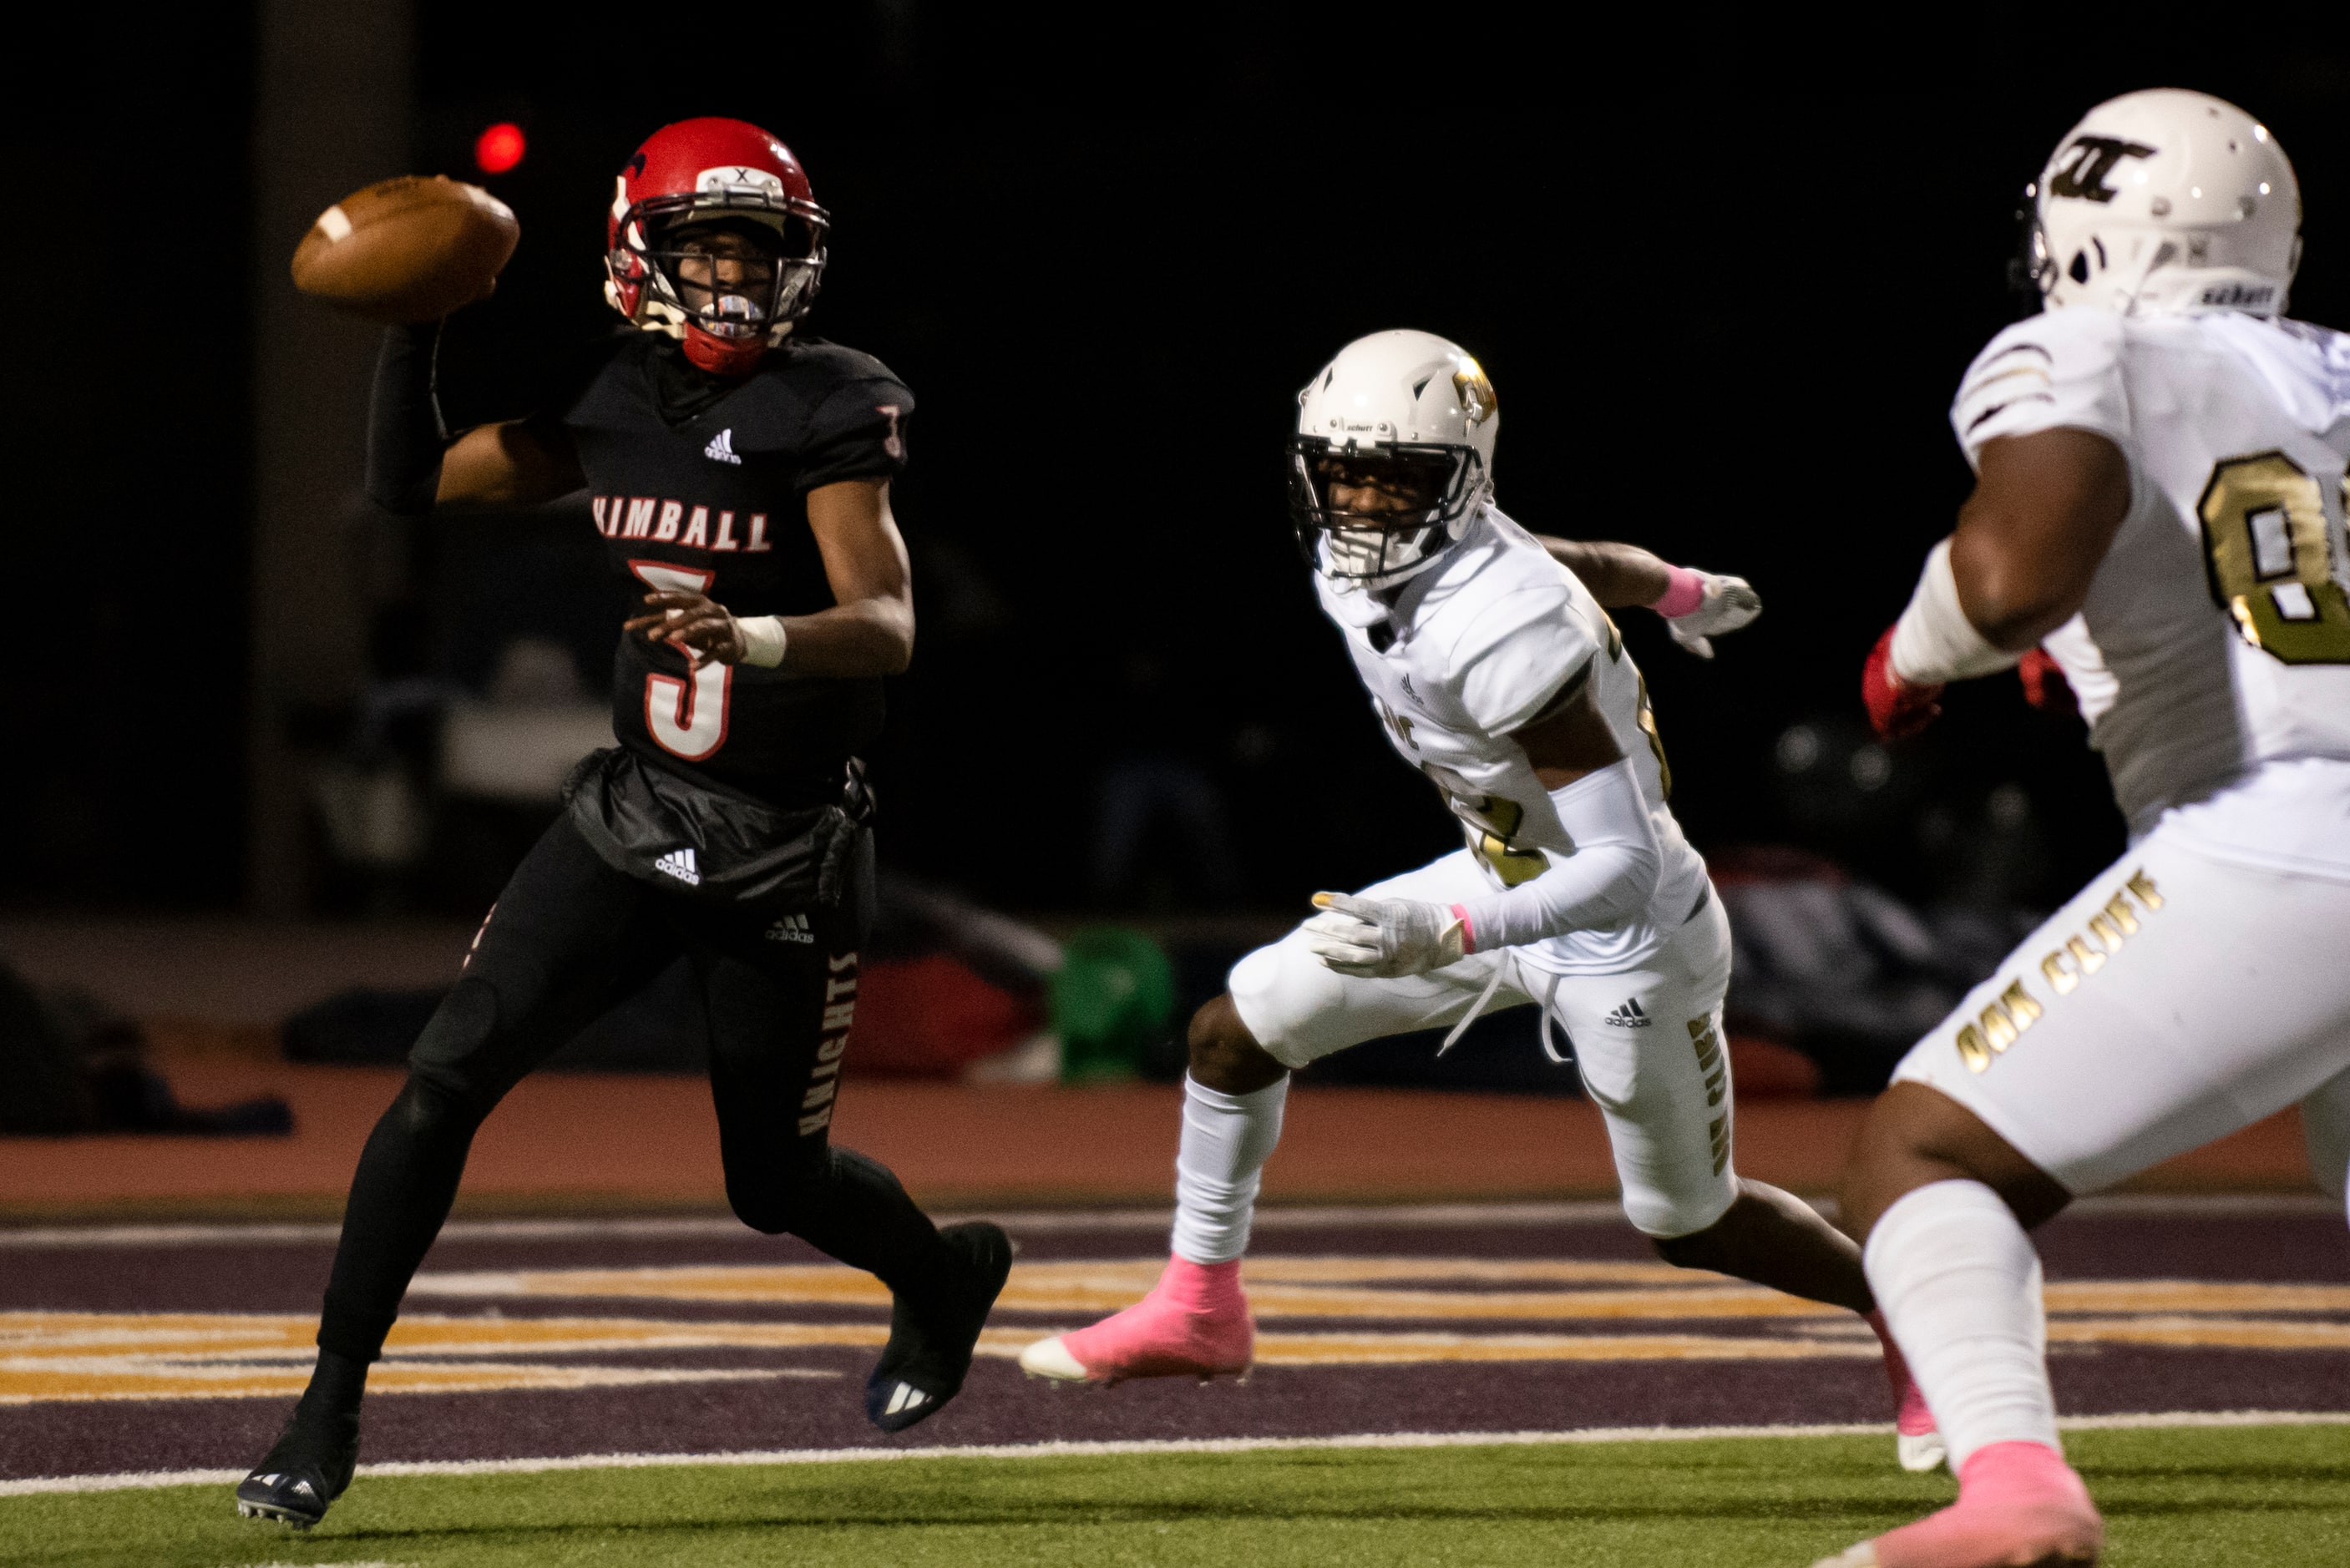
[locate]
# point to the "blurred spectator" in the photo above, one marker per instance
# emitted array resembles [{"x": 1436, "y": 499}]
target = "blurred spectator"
[
  {"x": 1160, "y": 833},
  {"x": 1986, "y": 854},
  {"x": 519, "y": 744},
  {"x": 71, "y": 1066},
  {"x": 1843, "y": 971}
]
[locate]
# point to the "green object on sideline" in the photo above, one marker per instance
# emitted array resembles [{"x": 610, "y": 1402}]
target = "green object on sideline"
[
  {"x": 2191, "y": 1498},
  {"x": 1113, "y": 995}
]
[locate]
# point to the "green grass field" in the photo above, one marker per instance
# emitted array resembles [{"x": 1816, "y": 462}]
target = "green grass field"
[{"x": 2271, "y": 1495}]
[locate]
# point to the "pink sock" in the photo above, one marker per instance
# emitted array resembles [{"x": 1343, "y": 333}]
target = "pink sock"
[
  {"x": 1911, "y": 1417},
  {"x": 1684, "y": 591}
]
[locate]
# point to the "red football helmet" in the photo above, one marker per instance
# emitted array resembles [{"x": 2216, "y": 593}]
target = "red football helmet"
[{"x": 728, "y": 303}]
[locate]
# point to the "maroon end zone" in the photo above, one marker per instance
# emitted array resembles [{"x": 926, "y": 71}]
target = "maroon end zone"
[{"x": 595, "y": 1337}]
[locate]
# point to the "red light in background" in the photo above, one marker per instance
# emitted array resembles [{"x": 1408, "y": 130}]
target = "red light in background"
[{"x": 499, "y": 148}]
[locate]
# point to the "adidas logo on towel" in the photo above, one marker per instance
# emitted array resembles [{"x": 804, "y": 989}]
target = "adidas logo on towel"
[
  {"x": 907, "y": 1397},
  {"x": 722, "y": 448},
  {"x": 1628, "y": 1016},
  {"x": 791, "y": 929},
  {"x": 679, "y": 863}
]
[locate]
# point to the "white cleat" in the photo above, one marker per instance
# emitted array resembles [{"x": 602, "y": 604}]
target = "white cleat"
[
  {"x": 1049, "y": 1358},
  {"x": 1861, "y": 1556},
  {"x": 1921, "y": 1453}
]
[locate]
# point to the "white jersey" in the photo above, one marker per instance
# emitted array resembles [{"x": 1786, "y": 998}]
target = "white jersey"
[
  {"x": 1475, "y": 649},
  {"x": 2213, "y": 651}
]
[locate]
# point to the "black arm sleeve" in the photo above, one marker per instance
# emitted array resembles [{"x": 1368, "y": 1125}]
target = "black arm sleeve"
[{"x": 405, "y": 437}]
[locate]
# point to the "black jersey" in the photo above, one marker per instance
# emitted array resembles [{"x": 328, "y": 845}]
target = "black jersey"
[{"x": 715, "y": 501}]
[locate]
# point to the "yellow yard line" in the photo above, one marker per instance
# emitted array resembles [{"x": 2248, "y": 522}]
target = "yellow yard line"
[
  {"x": 249, "y": 1383},
  {"x": 1349, "y": 1287},
  {"x": 68, "y": 1356},
  {"x": 29, "y": 1338},
  {"x": 2193, "y": 1296},
  {"x": 1092, "y": 1286},
  {"x": 1396, "y": 1349},
  {"x": 2203, "y": 1333},
  {"x": 1738, "y": 1301}
]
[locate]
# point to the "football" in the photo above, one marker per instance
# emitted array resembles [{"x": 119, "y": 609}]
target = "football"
[{"x": 411, "y": 249}]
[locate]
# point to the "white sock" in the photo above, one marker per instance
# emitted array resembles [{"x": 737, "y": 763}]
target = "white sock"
[
  {"x": 1960, "y": 1284},
  {"x": 1226, "y": 1140}
]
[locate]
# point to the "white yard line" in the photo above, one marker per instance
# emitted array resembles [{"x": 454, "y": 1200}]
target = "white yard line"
[
  {"x": 151, "y": 1479},
  {"x": 1043, "y": 1222}
]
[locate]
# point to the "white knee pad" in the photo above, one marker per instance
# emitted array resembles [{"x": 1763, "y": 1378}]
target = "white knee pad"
[{"x": 1275, "y": 994}]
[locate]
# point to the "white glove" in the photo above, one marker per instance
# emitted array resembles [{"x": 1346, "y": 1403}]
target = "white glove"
[
  {"x": 1729, "y": 603},
  {"x": 1383, "y": 939}
]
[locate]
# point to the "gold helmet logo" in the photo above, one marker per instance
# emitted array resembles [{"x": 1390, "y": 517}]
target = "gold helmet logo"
[{"x": 1475, "y": 391}]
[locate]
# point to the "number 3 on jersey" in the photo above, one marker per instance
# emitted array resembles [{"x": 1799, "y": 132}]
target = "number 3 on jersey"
[
  {"x": 2267, "y": 539},
  {"x": 686, "y": 718}
]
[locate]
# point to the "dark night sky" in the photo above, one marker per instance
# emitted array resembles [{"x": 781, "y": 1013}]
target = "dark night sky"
[{"x": 1724, "y": 276}]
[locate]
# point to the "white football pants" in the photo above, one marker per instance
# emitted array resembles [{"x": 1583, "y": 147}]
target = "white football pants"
[
  {"x": 2175, "y": 1000},
  {"x": 1647, "y": 1041}
]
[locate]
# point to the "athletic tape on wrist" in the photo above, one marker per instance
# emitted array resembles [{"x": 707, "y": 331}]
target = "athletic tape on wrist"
[
  {"x": 763, "y": 639},
  {"x": 1934, "y": 641}
]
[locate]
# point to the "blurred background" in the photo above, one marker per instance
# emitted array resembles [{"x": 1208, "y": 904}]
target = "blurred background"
[{"x": 1724, "y": 270}]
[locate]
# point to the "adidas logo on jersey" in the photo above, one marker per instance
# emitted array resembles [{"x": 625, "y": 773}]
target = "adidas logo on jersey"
[
  {"x": 791, "y": 929},
  {"x": 1628, "y": 1016},
  {"x": 722, "y": 448},
  {"x": 679, "y": 863}
]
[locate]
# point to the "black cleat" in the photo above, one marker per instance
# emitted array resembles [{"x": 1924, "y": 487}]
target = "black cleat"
[
  {"x": 930, "y": 1341},
  {"x": 309, "y": 1467}
]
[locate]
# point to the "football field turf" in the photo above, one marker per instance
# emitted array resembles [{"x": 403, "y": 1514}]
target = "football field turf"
[
  {"x": 1461, "y": 1385},
  {"x": 2193, "y": 1496}
]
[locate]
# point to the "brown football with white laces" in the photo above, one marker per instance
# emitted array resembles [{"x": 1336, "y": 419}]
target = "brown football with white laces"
[{"x": 407, "y": 250}]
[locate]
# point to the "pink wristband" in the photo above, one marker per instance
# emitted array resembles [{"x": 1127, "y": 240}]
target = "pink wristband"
[
  {"x": 1468, "y": 929},
  {"x": 1684, "y": 591}
]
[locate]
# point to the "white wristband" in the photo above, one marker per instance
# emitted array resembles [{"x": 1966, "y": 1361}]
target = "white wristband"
[
  {"x": 763, "y": 639},
  {"x": 1934, "y": 641}
]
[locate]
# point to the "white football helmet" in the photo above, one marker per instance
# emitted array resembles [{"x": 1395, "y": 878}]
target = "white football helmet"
[
  {"x": 1404, "y": 422},
  {"x": 2165, "y": 203}
]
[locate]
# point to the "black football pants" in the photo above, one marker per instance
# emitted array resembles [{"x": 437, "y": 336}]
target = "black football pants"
[{"x": 568, "y": 938}]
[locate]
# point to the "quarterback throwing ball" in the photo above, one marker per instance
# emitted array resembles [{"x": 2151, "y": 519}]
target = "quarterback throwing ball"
[{"x": 739, "y": 469}]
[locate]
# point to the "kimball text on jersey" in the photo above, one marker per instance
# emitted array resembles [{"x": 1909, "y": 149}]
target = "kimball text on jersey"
[{"x": 670, "y": 522}]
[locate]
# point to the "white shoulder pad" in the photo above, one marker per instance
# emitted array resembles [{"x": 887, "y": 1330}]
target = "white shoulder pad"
[
  {"x": 1517, "y": 653},
  {"x": 2058, "y": 370}
]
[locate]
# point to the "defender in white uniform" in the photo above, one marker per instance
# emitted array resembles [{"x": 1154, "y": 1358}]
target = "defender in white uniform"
[
  {"x": 1494, "y": 671},
  {"x": 2160, "y": 459}
]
